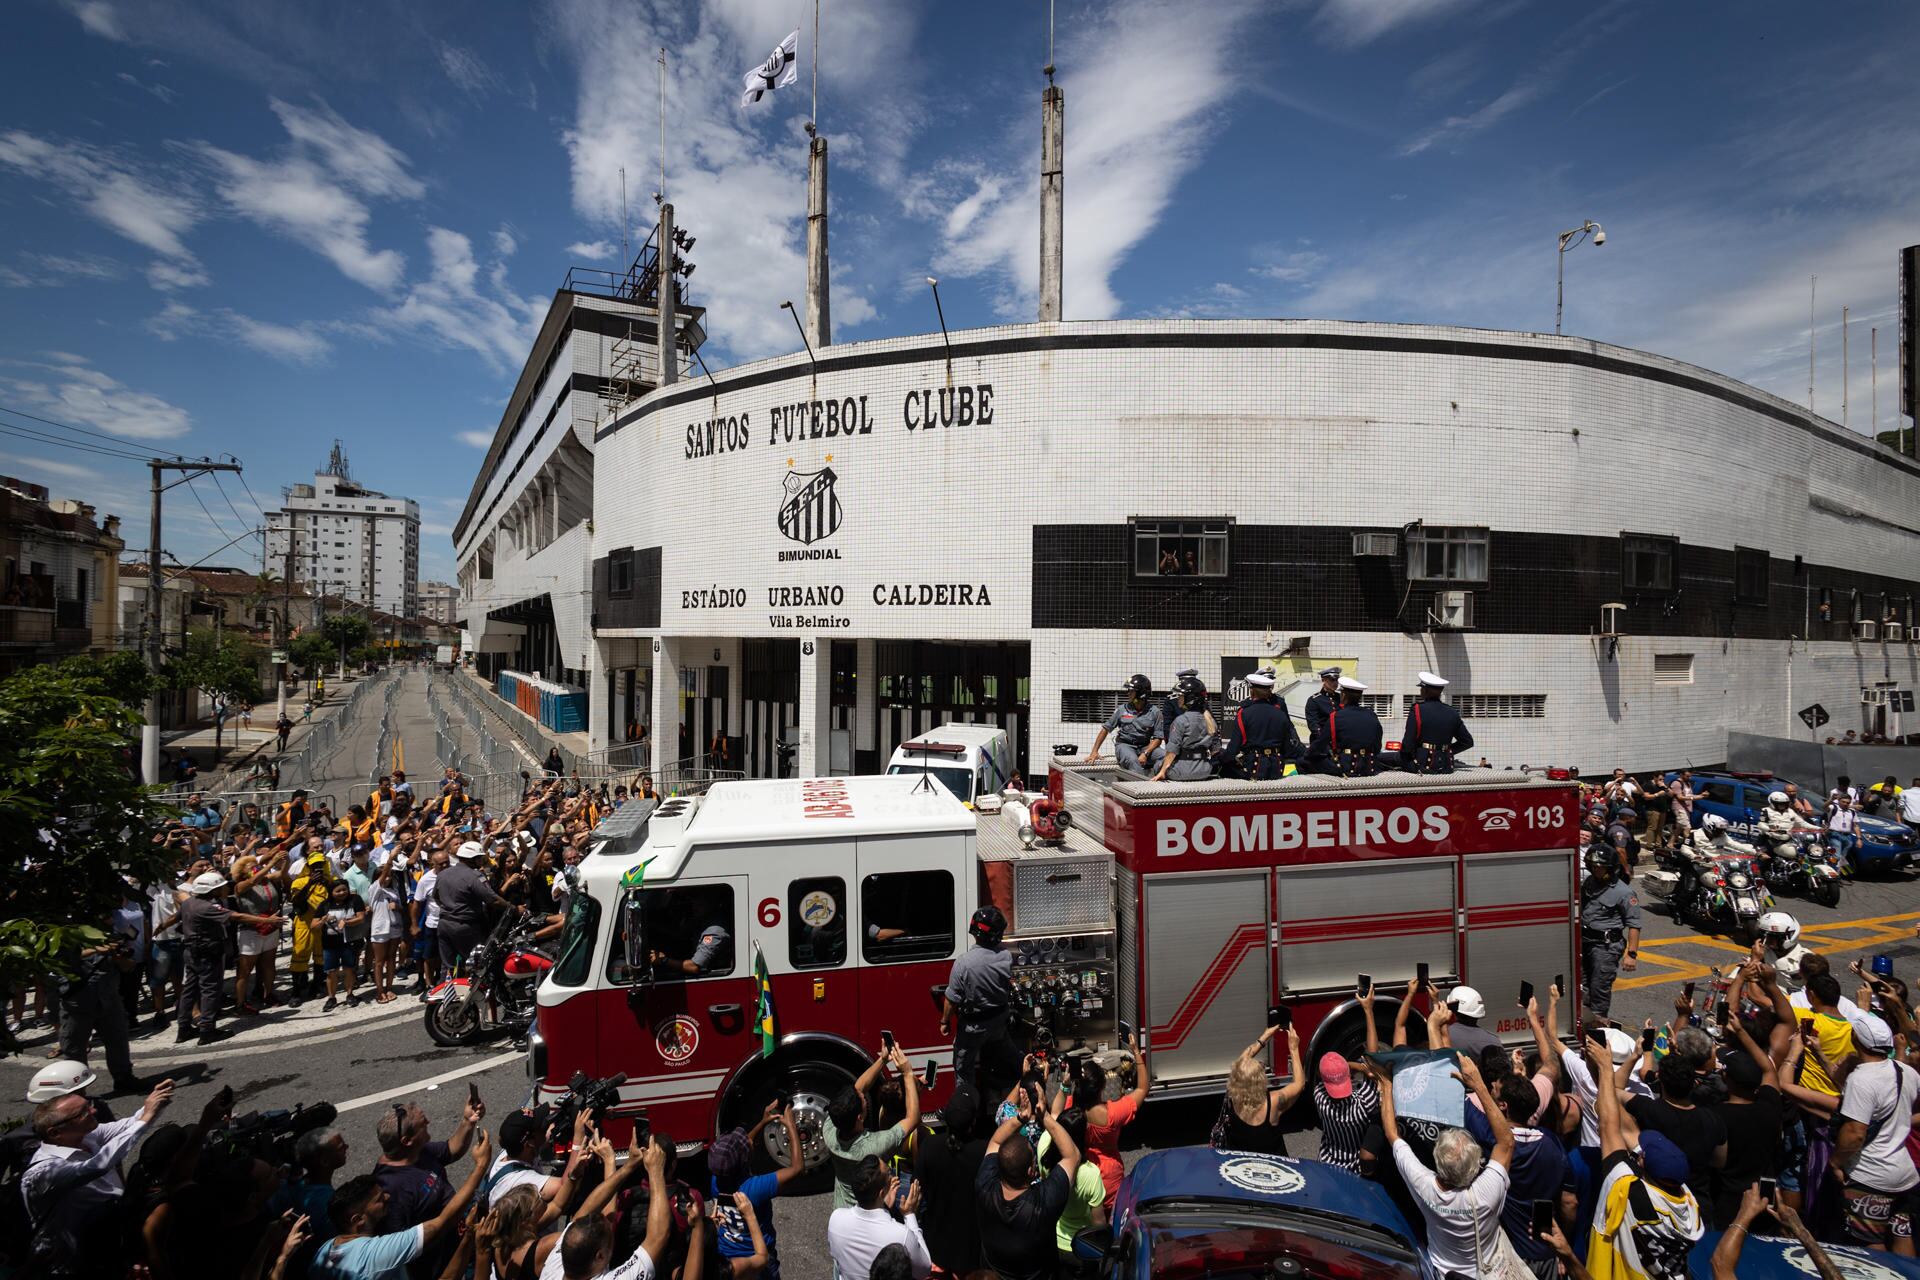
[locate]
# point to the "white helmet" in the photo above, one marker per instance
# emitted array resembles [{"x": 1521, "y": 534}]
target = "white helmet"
[
  {"x": 1714, "y": 822},
  {"x": 471, "y": 851},
  {"x": 58, "y": 1079},
  {"x": 1779, "y": 930},
  {"x": 1777, "y": 798}
]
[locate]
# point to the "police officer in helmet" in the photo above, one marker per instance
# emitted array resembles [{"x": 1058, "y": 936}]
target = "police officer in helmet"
[
  {"x": 1354, "y": 734},
  {"x": 1434, "y": 731},
  {"x": 1171, "y": 706},
  {"x": 1135, "y": 724},
  {"x": 1609, "y": 927},
  {"x": 978, "y": 995},
  {"x": 1261, "y": 738},
  {"x": 1188, "y": 755}
]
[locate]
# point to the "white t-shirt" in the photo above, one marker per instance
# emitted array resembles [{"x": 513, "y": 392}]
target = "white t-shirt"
[
  {"x": 384, "y": 899},
  {"x": 1463, "y": 1227},
  {"x": 498, "y": 1183},
  {"x": 1586, "y": 1091},
  {"x": 370, "y": 1257},
  {"x": 1880, "y": 1095},
  {"x": 1910, "y": 804},
  {"x": 638, "y": 1267},
  {"x": 423, "y": 892}
]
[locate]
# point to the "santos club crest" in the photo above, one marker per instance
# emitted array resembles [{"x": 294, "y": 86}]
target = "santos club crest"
[{"x": 811, "y": 510}]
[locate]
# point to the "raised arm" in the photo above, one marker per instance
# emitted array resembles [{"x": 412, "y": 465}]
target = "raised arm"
[
  {"x": 1469, "y": 1075},
  {"x": 1606, "y": 1098},
  {"x": 1289, "y": 1093},
  {"x": 457, "y": 1206},
  {"x": 1543, "y": 1039},
  {"x": 1063, "y": 1144}
]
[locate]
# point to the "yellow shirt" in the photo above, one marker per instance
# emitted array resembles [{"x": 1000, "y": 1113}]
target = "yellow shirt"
[{"x": 1836, "y": 1041}]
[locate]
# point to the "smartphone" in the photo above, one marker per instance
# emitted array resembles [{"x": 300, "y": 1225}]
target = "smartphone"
[
  {"x": 1647, "y": 1037},
  {"x": 1363, "y": 984},
  {"x": 1126, "y": 1035},
  {"x": 1526, "y": 993},
  {"x": 1597, "y": 1034},
  {"x": 886, "y": 1041},
  {"x": 904, "y": 1172},
  {"x": 1542, "y": 1219},
  {"x": 1422, "y": 975},
  {"x": 642, "y": 1128},
  {"x": 1280, "y": 1018},
  {"x": 932, "y": 1074},
  {"x": 1686, "y": 992},
  {"x": 473, "y": 1094},
  {"x": 1855, "y": 965},
  {"x": 1560, "y": 983},
  {"x": 1769, "y": 1188},
  {"x": 1722, "y": 1014}
]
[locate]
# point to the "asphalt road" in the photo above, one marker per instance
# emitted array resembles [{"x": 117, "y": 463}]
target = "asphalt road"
[{"x": 362, "y": 1058}]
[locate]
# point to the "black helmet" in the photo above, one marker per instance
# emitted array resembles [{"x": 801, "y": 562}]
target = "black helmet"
[
  {"x": 987, "y": 925},
  {"x": 1600, "y": 860},
  {"x": 1137, "y": 687}
]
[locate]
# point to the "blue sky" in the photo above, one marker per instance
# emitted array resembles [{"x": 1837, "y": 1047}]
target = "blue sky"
[{"x": 233, "y": 226}]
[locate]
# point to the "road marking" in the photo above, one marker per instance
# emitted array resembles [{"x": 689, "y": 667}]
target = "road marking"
[
  {"x": 279, "y": 1044},
  {"x": 1893, "y": 928},
  {"x": 458, "y": 1073}
]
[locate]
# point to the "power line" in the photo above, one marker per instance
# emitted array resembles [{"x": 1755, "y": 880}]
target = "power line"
[
  {"x": 203, "y": 506},
  {"x": 241, "y": 476},
  {"x": 68, "y": 426},
  {"x": 244, "y": 522},
  {"x": 41, "y": 437}
]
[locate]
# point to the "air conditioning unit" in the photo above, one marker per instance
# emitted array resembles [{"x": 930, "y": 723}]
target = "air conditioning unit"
[
  {"x": 1613, "y": 617},
  {"x": 1895, "y": 633},
  {"x": 1375, "y": 544},
  {"x": 1452, "y": 611},
  {"x": 1864, "y": 630}
]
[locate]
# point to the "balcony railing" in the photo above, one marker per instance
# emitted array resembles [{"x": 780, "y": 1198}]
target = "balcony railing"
[{"x": 20, "y": 625}]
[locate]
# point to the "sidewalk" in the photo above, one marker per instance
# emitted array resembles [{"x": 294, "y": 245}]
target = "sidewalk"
[
  {"x": 240, "y": 747},
  {"x": 577, "y": 744}
]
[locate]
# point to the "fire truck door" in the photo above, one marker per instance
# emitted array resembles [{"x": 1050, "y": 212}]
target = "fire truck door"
[
  {"x": 804, "y": 920},
  {"x": 688, "y": 1016},
  {"x": 1381, "y": 919},
  {"x": 915, "y": 894},
  {"x": 1206, "y": 969},
  {"x": 1520, "y": 928}
]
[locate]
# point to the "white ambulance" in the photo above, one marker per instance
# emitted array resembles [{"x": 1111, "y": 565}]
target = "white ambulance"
[{"x": 969, "y": 760}]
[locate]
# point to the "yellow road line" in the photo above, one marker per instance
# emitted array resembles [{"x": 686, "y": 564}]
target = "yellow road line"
[{"x": 1676, "y": 969}]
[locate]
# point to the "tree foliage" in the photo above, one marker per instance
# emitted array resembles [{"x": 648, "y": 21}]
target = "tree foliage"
[
  {"x": 223, "y": 668},
  {"x": 72, "y": 815},
  {"x": 310, "y": 651},
  {"x": 348, "y": 631}
]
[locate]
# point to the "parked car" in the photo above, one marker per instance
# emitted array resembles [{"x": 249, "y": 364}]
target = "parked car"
[
  {"x": 1778, "y": 1258},
  {"x": 1885, "y": 845},
  {"x": 1193, "y": 1213}
]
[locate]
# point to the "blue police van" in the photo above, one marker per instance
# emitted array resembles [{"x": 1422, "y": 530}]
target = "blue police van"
[{"x": 1740, "y": 798}]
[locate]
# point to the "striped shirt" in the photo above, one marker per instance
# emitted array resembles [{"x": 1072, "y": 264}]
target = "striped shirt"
[{"x": 1344, "y": 1122}]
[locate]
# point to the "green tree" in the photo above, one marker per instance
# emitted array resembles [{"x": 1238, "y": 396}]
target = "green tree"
[
  {"x": 225, "y": 669},
  {"x": 347, "y": 631},
  {"x": 71, "y": 808}
]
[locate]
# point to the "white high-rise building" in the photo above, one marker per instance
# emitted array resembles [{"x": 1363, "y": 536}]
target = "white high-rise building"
[
  {"x": 437, "y": 600},
  {"x": 349, "y": 541}
]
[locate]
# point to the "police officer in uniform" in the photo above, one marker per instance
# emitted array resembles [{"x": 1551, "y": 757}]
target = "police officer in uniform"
[
  {"x": 1609, "y": 927},
  {"x": 979, "y": 991},
  {"x": 1318, "y": 709},
  {"x": 1134, "y": 724},
  {"x": 1188, "y": 754},
  {"x": 1261, "y": 738},
  {"x": 1354, "y": 734},
  {"x": 1434, "y": 731}
]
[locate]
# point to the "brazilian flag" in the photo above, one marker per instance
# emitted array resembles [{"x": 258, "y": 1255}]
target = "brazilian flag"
[{"x": 763, "y": 983}]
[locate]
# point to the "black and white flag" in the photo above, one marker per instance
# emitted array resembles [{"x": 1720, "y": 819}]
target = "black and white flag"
[{"x": 781, "y": 68}]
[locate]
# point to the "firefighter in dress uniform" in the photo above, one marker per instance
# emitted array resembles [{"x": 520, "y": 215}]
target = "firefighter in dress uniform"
[
  {"x": 979, "y": 995},
  {"x": 1261, "y": 739},
  {"x": 1354, "y": 734},
  {"x": 1188, "y": 752},
  {"x": 1135, "y": 724},
  {"x": 1434, "y": 731},
  {"x": 1319, "y": 709},
  {"x": 1609, "y": 928}
]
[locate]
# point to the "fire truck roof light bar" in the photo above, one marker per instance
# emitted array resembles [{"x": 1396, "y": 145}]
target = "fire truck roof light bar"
[{"x": 936, "y": 748}]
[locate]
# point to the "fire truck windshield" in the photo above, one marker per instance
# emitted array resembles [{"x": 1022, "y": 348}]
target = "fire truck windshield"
[
  {"x": 582, "y": 925},
  {"x": 958, "y": 781}
]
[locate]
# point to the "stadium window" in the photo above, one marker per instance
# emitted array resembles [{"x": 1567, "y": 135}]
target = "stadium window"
[
  {"x": 1181, "y": 548},
  {"x": 1750, "y": 575},
  {"x": 620, "y": 572},
  {"x": 1441, "y": 554},
  {"x": 1647, "y": 561}
]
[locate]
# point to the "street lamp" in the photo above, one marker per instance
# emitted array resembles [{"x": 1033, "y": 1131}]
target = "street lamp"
[
  {"x": 788, "y": 308},
  {"x": 933, "y": 283},
  {"x": 1568, "y": 239}
]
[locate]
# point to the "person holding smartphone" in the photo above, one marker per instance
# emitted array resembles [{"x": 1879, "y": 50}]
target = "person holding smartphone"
[{"x": 1250, "y": 1113}]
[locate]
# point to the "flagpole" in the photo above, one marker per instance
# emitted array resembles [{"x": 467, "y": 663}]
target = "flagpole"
[
  {"x": 816, "y": 64},
  {"x": 660, "y": 198}
]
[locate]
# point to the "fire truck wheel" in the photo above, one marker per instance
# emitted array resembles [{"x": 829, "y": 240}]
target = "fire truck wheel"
[
  {"x": 808, "y": 1086},
  {"x": 1346, "y": 1032}
]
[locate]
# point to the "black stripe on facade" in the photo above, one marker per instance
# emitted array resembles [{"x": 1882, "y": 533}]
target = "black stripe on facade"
[
  {"x": 1374, "y": 343},
  {"x": 1303, "y": 578}
]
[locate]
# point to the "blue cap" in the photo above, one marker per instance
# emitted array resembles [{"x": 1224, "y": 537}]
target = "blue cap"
[
  {"x": 1883, "y": 966},
  {"x": 1663, "y": 1161}
]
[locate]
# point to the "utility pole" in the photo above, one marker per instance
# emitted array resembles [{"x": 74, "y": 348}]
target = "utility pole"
[{"x": 150, "y": 732}]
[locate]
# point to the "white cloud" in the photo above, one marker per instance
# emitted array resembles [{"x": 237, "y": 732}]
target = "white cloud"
[
  {"x": 467, "y": 70},
  {"x": 294, "y": 344},
  {"x": 456, "y": 308},
  {"x": 48, "y": 466},
  {"x": 592, "y": 250},
  {"x": 53, "y": 270},
  {"x": 478, "y": 439},
  {"x": 74, "y": 391},
  {"x": 98, "y": 17},
  {"x": 166, "y": 275},
  {"x": 157, "y": 89},
  {"x": 1289, "y": 266},
  {"x": 503, "y": 242},
  {"x": 110, "y": 190},
  {"x": 363, "y": 160},
  {"x": 1354, "y": 22},
  {"x": 1117, "y": 188}
]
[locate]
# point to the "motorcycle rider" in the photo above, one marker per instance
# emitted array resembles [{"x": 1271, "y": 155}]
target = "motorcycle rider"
[
  {"x": 1781, "y": 948},
  {"x": 1707, "y": 842},
  {"x": 1779, "y": 823}
]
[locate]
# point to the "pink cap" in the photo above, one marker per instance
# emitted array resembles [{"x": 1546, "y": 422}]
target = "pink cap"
[{"x": 1334, "y": 1076}]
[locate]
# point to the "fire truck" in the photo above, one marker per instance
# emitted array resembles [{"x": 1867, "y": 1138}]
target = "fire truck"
[{"x": 1180, "y": 911}]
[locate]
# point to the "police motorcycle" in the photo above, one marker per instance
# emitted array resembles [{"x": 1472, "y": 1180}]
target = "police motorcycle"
[
  {"x": 1802, "y": 863},
  {"x": 1719, "y": 887},
  {"x": 497, "y": 985}
]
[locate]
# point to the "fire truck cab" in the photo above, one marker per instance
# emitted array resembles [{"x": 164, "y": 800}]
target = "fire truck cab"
[{"x": 1180, "y": 909}]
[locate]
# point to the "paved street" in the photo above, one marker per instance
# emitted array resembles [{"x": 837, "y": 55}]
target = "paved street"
[{"x": 363, "y": 1057}]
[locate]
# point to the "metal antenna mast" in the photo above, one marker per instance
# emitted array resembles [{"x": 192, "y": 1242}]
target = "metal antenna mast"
[{"x": 661, "y": 195}]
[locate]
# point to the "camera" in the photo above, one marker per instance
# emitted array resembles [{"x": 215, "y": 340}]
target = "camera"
[{"x": 270, "y": 1135}]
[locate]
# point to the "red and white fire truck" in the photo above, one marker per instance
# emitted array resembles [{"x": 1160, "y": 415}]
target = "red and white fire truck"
[{"x": 1180, "y": 909}]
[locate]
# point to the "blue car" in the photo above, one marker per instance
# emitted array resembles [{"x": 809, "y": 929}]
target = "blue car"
[
  {"x": 1775, "y": 1258},
  {"x": 1193, "y": 1213},
  {"x": 1885, "y": 845}
]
